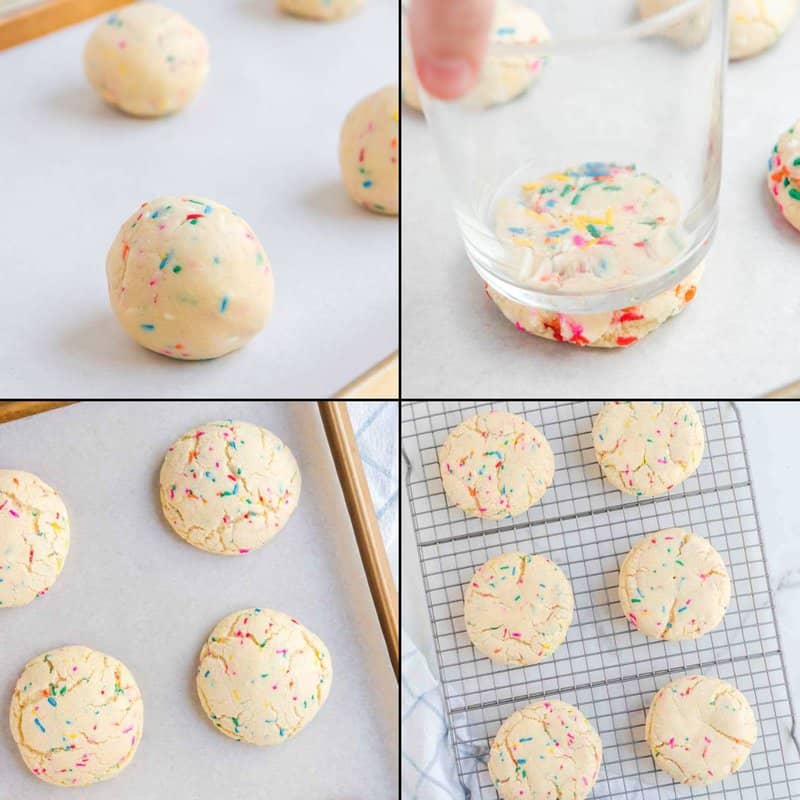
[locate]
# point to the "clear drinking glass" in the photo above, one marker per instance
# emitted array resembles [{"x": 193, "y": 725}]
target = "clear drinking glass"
[{"x": 618, "y": 94}]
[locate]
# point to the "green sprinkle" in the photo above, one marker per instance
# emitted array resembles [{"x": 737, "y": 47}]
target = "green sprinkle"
[
  {"x": 177, "y": 268},
  {"x": 796, "y": 162},
  {"x": 678, "y": 561},
  {"x": 591, "y": 228},
  {"x": 794, "y": 193},
  {"x": 518, "y": 597},
  {"x": 635, "y": 600}
]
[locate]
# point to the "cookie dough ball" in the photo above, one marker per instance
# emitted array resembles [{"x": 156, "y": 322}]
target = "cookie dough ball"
[
  {"x": 34, "y": 537},
  {"x": 369, "y": 155},
  {"x": 76, "y": 716},
  {"x": 495, "y": 465},
  {"x": 647, "y": 448},
  {"x": 517, "y": 608},
  {"x": 608, "y": 329},
  {"x": 502, "y": 78},
  {"x": 700, "y": 730},
  {"x": 228, "y": 487},
  {"x": 262, "y": 676},
  {"x": 545, "y": 750},
  {"x": 674, "y": 585},
  {"x": 321, "y": 9},
  {"x": 784, "y": 174},
  {"x": 188, "y": 278},
  {"x": 146, "y": 60},
  {"x": 757, "y": 24}
]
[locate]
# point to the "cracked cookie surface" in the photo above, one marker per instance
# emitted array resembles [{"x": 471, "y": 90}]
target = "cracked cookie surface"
[
  {"x": 495, "y": 465},
  {"x": 76, "y": 716},
  {"x": 517, "y": 608},
  {"x": 543, "y": 751},
  {"x": 757, "y": 24},
  {"x": 647, "y": 448},
  {"x": 34, "y": 537},
  {"x": 262, "y": 676},
  {"x": 228, "y": 487},
  {"x": 700, "y": 729},
  {"x": 674, "y": 585}
]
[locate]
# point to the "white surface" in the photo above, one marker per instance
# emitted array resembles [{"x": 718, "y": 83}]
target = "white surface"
[
  {"x": 132, "y": 588},
  {"x": 738, "y": 337},
  {"x": 772, "y": 438},
  {"x": 262, "y": 139}
]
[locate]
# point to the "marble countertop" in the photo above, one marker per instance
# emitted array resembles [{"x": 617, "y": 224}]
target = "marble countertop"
[{"x": 772, "y": 435}]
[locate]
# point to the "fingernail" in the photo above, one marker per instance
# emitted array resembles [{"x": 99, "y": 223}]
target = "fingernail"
[{"x": 446, "y": 78}]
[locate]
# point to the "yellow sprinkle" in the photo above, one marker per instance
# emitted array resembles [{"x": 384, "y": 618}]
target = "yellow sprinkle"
[
  {"x": 560, "y": 176},
  {"x": 236, "y": 695},
  {"x": 522, "y": 241},
  {"x": 530, "y": 187}
]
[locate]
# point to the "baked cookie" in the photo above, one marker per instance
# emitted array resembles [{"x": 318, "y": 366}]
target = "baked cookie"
[
  {"x": 543, "y": 751},
  {"x": 700, "y": 730},
  {"x": 647, "y": 448},
  {"x": 757, "y": 24},
  {"x": 146, "y": 60},
  {"x": 784, "y": 174},
  {"x": 674, "y": 585},
  {"x": 76, "y": 716},
  {"x": 517, "y": 608},
  {"x": 228, "y": 487},
  {"x": 262, "y": 676},
  {"x": 608, "y": 329},
  {"x": 495, "y": 465},
  {"x": 690, "y": 31},
  {"x": 34, "y": 537}
]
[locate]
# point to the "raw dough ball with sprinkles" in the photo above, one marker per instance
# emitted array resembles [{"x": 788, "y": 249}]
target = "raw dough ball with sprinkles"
[
  {"x": 502, "y": 77},
  {"x": 517, "y": 608},
  {"x": 321, "y": 9},
  {"x": 647, "y": 448},
  {"x": 608, "y": 329},
  {"x": 784, "y": 174},
  {"x": 34, "y": 537},
  {"x": 674, "y": 585},
  {"x": 228, "y": 487},
  {"x": 369, "y": 155},
  {"x": 544, "y": 751},
  {"x": 591, "y": 227},
  {"x": 146, "y": 60},
  {"x": 757, "y": 24},
  {"x": 495, "y": 465},
  {"x": 76, "y": 716},
  {"x": 188, "y": 278},
  {"x": 262, "y": 676},
  {"x": 700, "y": 730}
]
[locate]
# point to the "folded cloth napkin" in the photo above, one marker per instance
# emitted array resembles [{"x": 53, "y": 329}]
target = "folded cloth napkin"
[{"x": 428, "y": 765}]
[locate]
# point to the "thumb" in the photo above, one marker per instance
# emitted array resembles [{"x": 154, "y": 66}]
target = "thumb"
[{"x": 449, "y": 40}]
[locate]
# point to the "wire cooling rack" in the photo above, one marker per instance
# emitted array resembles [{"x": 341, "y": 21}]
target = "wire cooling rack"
[{"x": 605, "y": 668}]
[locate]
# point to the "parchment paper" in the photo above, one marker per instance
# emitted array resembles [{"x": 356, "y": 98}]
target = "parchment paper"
[{"x": 132, "y": 588}]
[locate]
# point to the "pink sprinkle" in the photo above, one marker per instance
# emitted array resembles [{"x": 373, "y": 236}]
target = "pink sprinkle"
[
  {"x": 12, "y": 512},
  {"x": 243, "y": 550},
  {"x": 578, "y": 240},
  {"x": 128, "y": 729},
  {"x": 516, "y": 635}
]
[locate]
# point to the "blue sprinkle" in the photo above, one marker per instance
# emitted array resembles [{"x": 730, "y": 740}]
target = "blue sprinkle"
[
  {"x": 235, "y": 488},
  {"x": 559, "y": 232},
  {"x": 223, "y": 305},
  {"x": 550, "y": 203},
  {"x": 595, "y": 169},
  {"x": 367, "y": 184},
  {"x": 207, "y": 673},
  {"x": 154, "y": 214},
  {"x": 148, "y": 327},
  {"x": 517, "y": 230},
  {"x": 207, "y": 210},
  {"x": 505, "y": 31},
  {"x": 39, "y": 724},
  {"x": 165, "y": 260},
  {"x": 52, "y": 701},
  {"x": 216, "y": 259},
  {"x": 232, "y": 444}
]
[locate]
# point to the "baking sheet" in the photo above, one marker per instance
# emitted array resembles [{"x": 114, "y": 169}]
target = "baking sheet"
[
  {"x": 262, "y": 138},
  {"x": 132, "y": 588},
  {"x": 738, "y": 337}
]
